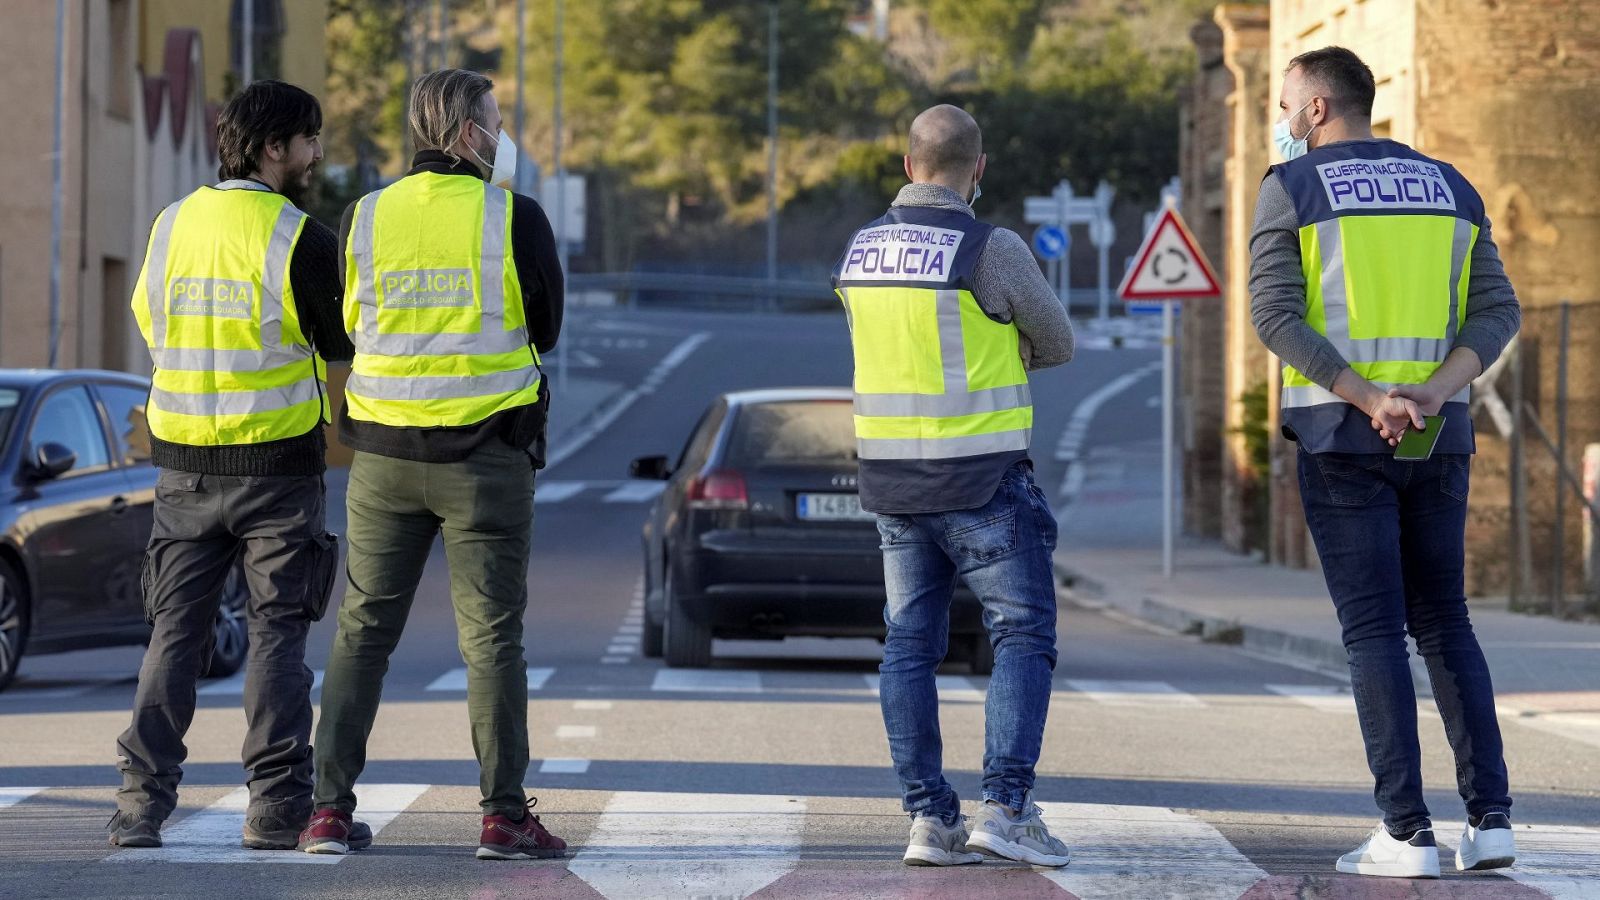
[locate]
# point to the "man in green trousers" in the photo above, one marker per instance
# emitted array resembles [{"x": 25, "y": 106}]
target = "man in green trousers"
[{"x": 452, "y": 289}]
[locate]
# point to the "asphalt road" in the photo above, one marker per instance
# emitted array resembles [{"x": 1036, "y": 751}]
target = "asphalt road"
[{"x": 1173, "y": 768}]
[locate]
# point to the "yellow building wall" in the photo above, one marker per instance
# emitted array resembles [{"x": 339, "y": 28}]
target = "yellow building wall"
[
  {"x": 1382, "y": 32},
  {"x": 305, "y": 61}
]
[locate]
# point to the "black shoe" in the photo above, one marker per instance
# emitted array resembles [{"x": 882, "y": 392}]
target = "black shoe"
[
  {"x": 273, "y": 832},
  {"x": 132, "y": 830}
]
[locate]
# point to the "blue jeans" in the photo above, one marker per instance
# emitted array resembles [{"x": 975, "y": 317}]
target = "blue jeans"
[
  {"x": 1002, "y": 550},
  {"x": 1391, "y": 535}
]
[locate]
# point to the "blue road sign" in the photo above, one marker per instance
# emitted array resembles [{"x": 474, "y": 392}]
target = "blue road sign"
[
  {"x": 1150, "y": 307},
  {"x": 1051, "y": 241}
]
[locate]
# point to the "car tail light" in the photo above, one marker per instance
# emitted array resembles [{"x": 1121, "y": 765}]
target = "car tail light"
[{"x": 718, "y": 489}]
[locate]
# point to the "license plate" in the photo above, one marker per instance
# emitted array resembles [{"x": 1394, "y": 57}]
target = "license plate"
[{"x": 831, "y": 508}]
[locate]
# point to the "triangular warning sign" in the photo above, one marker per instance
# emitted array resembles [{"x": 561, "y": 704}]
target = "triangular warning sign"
[{"x": 1169, "y": 265}]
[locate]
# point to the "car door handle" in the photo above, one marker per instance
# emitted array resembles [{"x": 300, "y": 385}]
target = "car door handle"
[{"x": 119, "y": 505}]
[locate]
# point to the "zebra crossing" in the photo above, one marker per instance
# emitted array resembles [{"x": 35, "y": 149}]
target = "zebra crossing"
[
  {"x": 548, "y": 493},
  {"x": 663, "y": 844}
]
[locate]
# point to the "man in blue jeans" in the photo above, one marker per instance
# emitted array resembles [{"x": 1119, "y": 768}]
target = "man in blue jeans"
[
  {"x": 1374, "y": 279},
  {"x": 946, "y": 315}
]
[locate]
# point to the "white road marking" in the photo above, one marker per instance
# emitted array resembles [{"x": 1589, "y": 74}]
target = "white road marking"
[
  {"x": 620, "y": 404},
  {"x": 1070, "y": 447},
  {"x": 621, "y": 649},
  {"x": 630, "y": 629},
  {"x": 1145, "y": 851},
  {"x": 1134, "y": 693},
  {"x": 456, "y": 680},
  {"x": 576, "y": 732},
  {"x": 613, "y": 660},
  {"x": 691, "y": 845},
  {"x": 21, "y": 691},
  {"x": 1576, "y": 726},
  {"x": 557, "y": 491},
  {"x": 212, "y": 834},
  {"x": 951, "y": 688},
  {"x": 707, "y": 680},
  {"x": 592, "y": 704},
  {"x": 564, "y": 767},
  {"x": 635, "y": 492},
  {"x": 11, "y": 796},
  {"x": 1324, "y": 697},
  {"x": 234, "y": 684},
  {"x": 1563, "y": 861}
]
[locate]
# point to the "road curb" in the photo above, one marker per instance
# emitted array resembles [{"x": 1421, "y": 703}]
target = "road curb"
[{"x": 1300, "y": 650}]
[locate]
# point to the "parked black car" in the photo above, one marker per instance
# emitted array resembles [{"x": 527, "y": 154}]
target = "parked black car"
[
  {"x": 760, "y": 533},
  {"x": 76, "y": 495}
]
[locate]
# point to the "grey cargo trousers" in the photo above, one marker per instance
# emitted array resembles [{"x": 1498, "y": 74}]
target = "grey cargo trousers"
[{"x": 204, "y": 524}]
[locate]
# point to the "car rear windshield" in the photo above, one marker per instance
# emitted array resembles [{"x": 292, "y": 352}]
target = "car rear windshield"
[
  {"x": 793, "y": 433},
  {"x": 8, "y": 411}
]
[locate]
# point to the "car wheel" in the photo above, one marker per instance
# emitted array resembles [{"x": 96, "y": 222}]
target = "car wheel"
[
  {"x": 13, "y": 622},
  {"x": 980, "y": 654},
  {"x": 650, "y": 638},
  {"x": 230, "y": 630},
  {"x": 686, "y": 643}
]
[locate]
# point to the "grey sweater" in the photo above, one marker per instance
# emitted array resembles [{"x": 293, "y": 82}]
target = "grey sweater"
[
  {"x": 1278, "y": 294},
  {"x": 1008, "y": 283}
]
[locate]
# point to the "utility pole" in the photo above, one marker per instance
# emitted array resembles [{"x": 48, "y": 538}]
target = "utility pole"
[
  {"x": 247, "y": 43},
  {"x": 561, "y": 187},
  {"x": 56, "y": 183},
  {"x": 772, "y": 154},
  {"x": 521, "y": 47}
]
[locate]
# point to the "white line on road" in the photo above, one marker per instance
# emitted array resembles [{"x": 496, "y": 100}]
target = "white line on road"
[
  {"x": 234, "y": 684},
  {"x": 631, "y": 629},
  {"x": 691, "y": 845},
  {"x": 21, "y": 691},
  {"x": 11, "y": 796},
  {"x": 1326, "y": 698},
  {"x": 707, "y": 680},
  {"x": 618, "y": 406},
  {"x": 557, "y": 491},
  {"x": 951, "y": 688},
  {"x": 456, "y": 680},
  {"x": 576, "y": 732},
  {"x": 1145, "y": 851},
  {"x": 1133, "y": 693},
  {"x": 592, "y": 704},
  {"x": 1070, "y": 446},
  {"x": 564, "y": 767},
  {"x": 1563, "y": 861},
  {"x": 212, "y": 834},
  {"x": 635, "y": 492},
  {"x": 613, "y": 660}
]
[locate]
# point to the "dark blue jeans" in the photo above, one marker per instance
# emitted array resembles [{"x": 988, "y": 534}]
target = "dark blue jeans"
[
  {"x": 1002, "y": 550},
  {"x": 1391, "y": 535}
]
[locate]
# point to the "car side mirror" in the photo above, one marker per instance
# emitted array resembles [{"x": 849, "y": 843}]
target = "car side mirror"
[
  {"x": 654, "y": 468},
  {"x": 52, "y": 460}
]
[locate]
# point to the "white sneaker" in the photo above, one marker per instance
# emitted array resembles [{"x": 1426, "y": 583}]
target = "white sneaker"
[
  {"x": 1020, "y": 836},
  {"x": 1488, "y": 845},
  {"x": 934, "y": 843},
  {"x": 1382, "y": 854}
]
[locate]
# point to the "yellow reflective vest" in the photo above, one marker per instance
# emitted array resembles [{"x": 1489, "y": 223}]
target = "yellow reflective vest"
[{"x": 216, "y": 308}]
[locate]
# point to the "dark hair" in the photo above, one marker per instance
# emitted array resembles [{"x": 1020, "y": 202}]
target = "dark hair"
[
  {"x": 1341, "y": 76},
  {"x": 262, "y": 113}
]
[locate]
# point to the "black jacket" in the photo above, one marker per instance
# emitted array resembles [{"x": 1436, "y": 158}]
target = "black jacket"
[{"x": 533, "y": 248}]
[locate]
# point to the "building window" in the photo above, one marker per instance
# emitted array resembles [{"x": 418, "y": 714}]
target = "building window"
[
  {"x": 119, "y": 68},
  {"x": 266, "y": 39}
]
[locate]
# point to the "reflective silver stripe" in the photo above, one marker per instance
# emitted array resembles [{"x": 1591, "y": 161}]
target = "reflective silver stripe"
[
  {"x": 155, "y": 273},
  {"x": 1298, "y": 396},
  {"x": 273, "y": 273},
  {"x": 241, "y": 184},
  {"x": 942, "y": 448},
  {"x": 236, "y": 403},
  {"x": 1399, "y": 349},
  {"x": 1460, "y": 249},
  {"x": 441, "y": 387},
  {"x": 195, "y": 359},
  {"x": 366, "y": 280},
  {"x": 939, "y": 406},
  {"x": 493, "y": 258},
  {"x": 1335, "y": 301},
  {"x": 952, "y": 347}
]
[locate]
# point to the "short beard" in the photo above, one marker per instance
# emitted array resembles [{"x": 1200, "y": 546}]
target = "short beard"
[{"x": 298, "y": 187}]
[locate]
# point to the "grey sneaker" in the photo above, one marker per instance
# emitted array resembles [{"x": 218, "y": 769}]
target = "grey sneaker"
[
  {"x": 130, "y": 830},
  {"x": 1020, "y": 836},
  {"x": 934, "y": 843}
]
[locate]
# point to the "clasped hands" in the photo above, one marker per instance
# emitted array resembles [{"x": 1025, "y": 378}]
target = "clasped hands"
[{"x": 1404, "y": 406}]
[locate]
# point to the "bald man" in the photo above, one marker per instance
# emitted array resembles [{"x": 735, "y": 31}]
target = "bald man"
[{"x": 947, "y": 315}]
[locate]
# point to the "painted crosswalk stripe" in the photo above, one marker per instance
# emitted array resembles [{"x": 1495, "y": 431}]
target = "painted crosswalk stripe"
[
  {"x": 11, "y": 796},
  {"x": 1562, "y": 861},
  {"x": 575, "y": 732},
  {"x": 557, "y": 491},
  {"x": 951, "y": 688},
  {"x": 564, "y": 767},
  {"x": 212, "y": 834},
  {"x": 1133, "y": 693},
  {"x": 234, "y": 684},
  {"x": 1323, "y": 697},
  {"x": 707, "y": 680},
  {"x": 456, "y": 680},
  {"x": 691, "y": 845},
  {"x": 1145, "y": 851},
  {"x": 21, "y": 691},
  {"x": 592, "y": 705},
  {"x": 635, "y": 492}
]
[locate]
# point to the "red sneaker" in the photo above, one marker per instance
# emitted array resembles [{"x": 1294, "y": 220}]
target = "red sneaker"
[
  {"x": 334, "y": 831},
  {"x": 527, "y": 839}
]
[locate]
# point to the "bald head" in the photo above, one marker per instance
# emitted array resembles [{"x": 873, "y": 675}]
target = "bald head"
[{"x": 945, "y": 147}]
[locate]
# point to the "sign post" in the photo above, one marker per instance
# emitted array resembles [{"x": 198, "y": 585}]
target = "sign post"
[
  {"x": 1168, "y": 268},
  {"x": 1063, "y": 208}
]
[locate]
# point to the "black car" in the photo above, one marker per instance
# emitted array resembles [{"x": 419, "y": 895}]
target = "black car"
[
  {"x": 76, "y": 495},
  {"x": 760, "y": 534}
]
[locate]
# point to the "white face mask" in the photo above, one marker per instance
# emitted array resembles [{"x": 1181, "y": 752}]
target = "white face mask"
[
  {"x": 505, "y": 157},
  {"x": 1289, "y": 146}
]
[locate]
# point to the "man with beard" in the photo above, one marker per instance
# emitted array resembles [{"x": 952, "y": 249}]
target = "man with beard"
[{"x": 239, "y": 303}]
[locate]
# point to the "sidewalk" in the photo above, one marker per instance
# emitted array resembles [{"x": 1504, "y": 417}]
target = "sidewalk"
[{"x": 1110, "y": 556}]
